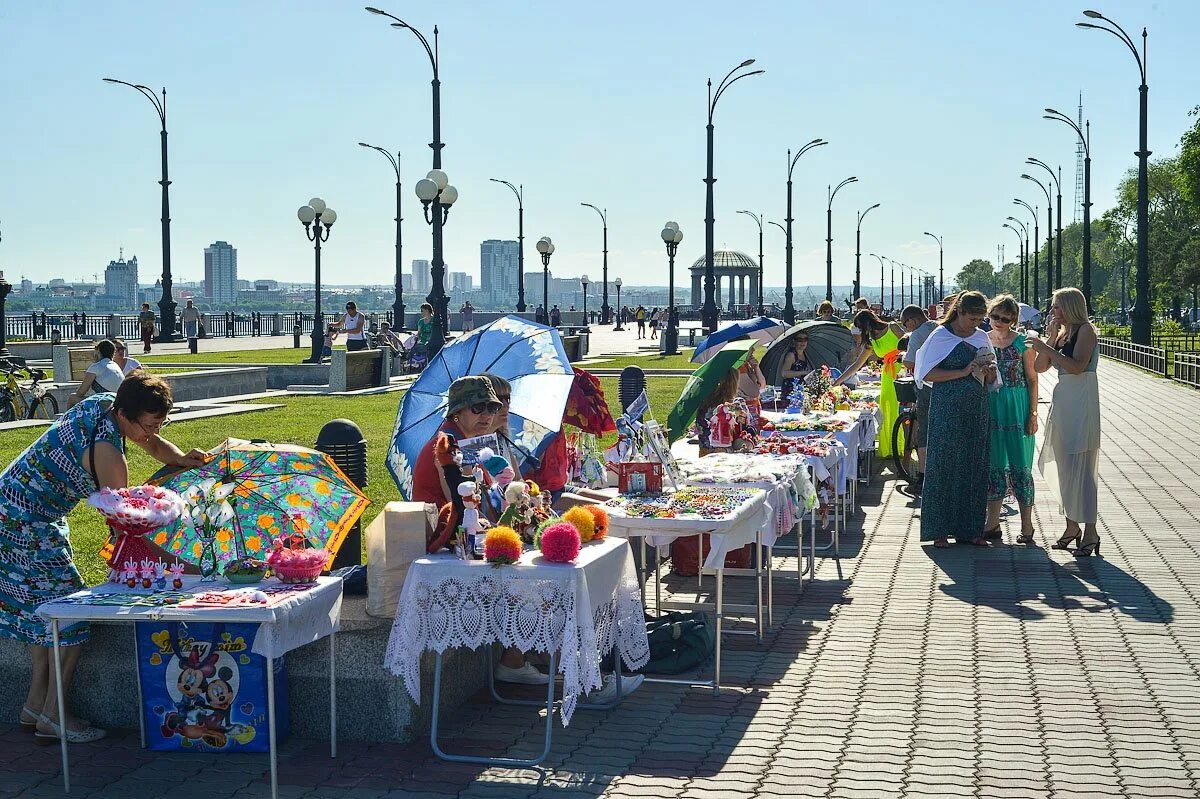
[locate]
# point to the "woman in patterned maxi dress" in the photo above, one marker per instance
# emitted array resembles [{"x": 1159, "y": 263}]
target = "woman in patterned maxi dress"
[{"x": 82, "y": 450}]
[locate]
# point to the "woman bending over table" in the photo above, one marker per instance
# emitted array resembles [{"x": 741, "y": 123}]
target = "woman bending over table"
[
  {"x": 83, "y": 450},
  {"x": 880, "y": 339}
]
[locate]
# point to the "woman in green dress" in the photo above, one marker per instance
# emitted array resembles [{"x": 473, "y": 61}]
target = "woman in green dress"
[
  {"x": 959, "y": 362},
  {"x": 880, "y": 339},
  {"x": 1014, "y": 419}
]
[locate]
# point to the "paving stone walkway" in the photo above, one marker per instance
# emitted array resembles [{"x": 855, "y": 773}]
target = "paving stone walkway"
[{"x": 902, "y": 672}]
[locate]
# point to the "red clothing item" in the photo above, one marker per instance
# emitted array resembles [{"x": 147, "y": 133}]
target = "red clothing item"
[
  {"x": 427, "y": 474},
  {"x": 551, "y": 475}
]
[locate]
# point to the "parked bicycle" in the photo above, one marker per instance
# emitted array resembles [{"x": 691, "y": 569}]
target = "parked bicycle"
[
  {"x": 904, "y": 452},
  {"x": 30, "y": 401}
]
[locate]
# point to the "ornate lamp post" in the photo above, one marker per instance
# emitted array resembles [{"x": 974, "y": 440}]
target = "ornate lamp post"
[
  {"x": 761, "y": 310},
  {"x": 881, "y": 281},
  {"x": 166, "y": 303},
  {"x": 583, "y": 281},
  {"x": 1033, "y": 246},
  {"x": 1024, "y": 255},
  {"x": 398, "y": 303},
  {"x": 546, "y": 248},
  {"x": 829, "y": 236},
  {"x": 618, "y": 327},
  {"x": 1142, "y": 322},
  {"x": 1049, "y": 243},
  {"x": 1085, "y": 139},
  {"x": 709, "y": 314},
  {"x": 671, "y": 236},
  {"x": 604, "y": 309},
  {"x": 1057, "y": 282},
  {"x": 941, "y": 264},
  {"x": 519, "y": 191},
  {"x": 789, "y": 311},
  {"x": 758, "y": 220},
  {"x": 858, "y": 251},
  {"x": 317, "y": 219}
]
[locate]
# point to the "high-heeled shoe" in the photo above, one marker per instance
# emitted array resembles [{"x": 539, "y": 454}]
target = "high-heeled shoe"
[
  {"x": 1087, "y": 548},
  {"x": 1064, "y": 542},
  {"x": 26, "y": 714},
  {"x": 1026, "y": 537}
]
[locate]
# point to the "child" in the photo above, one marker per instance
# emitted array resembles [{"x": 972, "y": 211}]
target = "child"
[{"x": 331, "y": 334}]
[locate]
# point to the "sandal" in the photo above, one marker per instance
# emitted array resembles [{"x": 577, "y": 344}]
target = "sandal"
[
  {"x": 28, "y": 726},
  {"x": 1026, "y": 537},
  {"x": 1067, "y": 538},
  {"x": 85, "y": 736},
  {"x": 994, "y": 534},
  {"x": 941, "y": 543},
  {"x": 980, "y": 541}
]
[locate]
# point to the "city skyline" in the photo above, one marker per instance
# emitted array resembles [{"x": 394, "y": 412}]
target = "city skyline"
[{"x": 241, "y": 152}]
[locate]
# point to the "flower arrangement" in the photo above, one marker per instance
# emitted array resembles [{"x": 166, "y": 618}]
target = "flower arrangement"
[
  {"x": 208, "y": 511},
  {"x": 581, "y": 520},
  {"x": 502, "y": 545},
  {"x": 131, "y": 513},
  {"x": 600, "y": 519},
  {"x": 296, "y": 565},
  {"x": 559, "y": 542}
]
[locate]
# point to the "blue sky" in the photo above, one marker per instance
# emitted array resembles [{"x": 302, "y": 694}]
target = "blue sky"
[{"x": 933, "y": 105}]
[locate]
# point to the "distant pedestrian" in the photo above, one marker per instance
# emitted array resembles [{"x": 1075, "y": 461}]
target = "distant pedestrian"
[
  {"x": 146, "y": 320},
  {"x": 355, "y": 325},
  {"x": 468, "y": 316},
  {"x": 104, "y": 375},
  {"x": 555, "y": 317},
  {"x": 425, "y": 327},
  {"x": 331, "y": 334},
  {"x": 640, "y": 316},
  {"x": 539, "y": 315},
  {"x": 190, "y": 316}
]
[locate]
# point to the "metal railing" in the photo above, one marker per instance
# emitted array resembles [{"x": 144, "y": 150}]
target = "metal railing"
[
  {"x": 1186, "y": 366},
  {"x": 1152, "y": 359},
  {"x": 41, "y": 326}
]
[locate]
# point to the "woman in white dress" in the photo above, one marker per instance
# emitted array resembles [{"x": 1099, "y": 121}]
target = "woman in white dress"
[{"x": 1071, "y": 450}]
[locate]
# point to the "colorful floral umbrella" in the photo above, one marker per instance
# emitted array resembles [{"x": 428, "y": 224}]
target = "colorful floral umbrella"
[{"x": 250, "y": 492}]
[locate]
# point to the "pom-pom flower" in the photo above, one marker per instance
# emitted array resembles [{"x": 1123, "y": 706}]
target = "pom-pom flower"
[
  {"x": 559, "y": 542},
  {"x": 502, "y": 545},
  {"x": 582, "y": 521},
  {"x": 541, "y": 528},
  {"x": 600, "y": 519}
]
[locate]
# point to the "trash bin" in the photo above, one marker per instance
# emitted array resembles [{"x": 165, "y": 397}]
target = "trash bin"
[
  {"x": 343, "y": 441},
  {"x": 296, "y": 337}
]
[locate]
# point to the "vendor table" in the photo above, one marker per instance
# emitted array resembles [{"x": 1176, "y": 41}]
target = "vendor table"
[
  {"x": 291, "y": 620},
  {"x": 582, "y": 609}
]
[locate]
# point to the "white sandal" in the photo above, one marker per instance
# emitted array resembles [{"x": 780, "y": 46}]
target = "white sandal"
[{"x": 85, "y": 736}]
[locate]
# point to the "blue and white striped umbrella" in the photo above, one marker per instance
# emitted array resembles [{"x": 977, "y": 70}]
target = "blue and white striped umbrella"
[{"x": 762, "y": 329}]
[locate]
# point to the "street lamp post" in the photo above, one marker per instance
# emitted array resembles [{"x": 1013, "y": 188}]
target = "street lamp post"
[
  {"x": 941, "y": 264},
  {"x": 671, "y": 236},
  {"x": 829, "y": 236},
  {"x": 398, "y": 303},
  {"x": 519, "y": 191},
  {"x": 1049, "y": 248},
  {"x": 618, "y": 327},
  {"x": 762, "y": 311},
  {"x": 892, "y": 283},
  {"x": 317, "y": 219},
  {"x": 166, "y": 303},
  {"x": 881, "y": 280},
  {"x": 903, "y": 286},
  {"x": 758, "y": 220},
  {"x": 1142, "y": 322},
  {"x": 5, "y": 288},
  {"x": 583, "y": 281},
  {"x": 546, "y": 248},
  {"x": 1033, "y": 245},
  {"x": 789, "y": 310},
  {"x": 1085, "y": 139},
  {"x": 1057, "y": 282},
  {"x": 1024, "y": 255},
  {"x": 709, "y": 313},
  {"x": 858, "y": 252},
  {"x": 604, "y": 309}
]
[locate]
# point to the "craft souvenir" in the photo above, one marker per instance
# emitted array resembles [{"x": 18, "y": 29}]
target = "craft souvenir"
[
  {"x": 599, "y": 520},
  {"x": 502, "y": 546},
  {"x": 559, "y": 542},
  {"x": 296, "y": 565},
  {"x": 582, "y": 521},
  {"x": 176, "y": 569},
  {"x": 518, "y": 510},
  {"x": 690, "y": 502},
  {"x": 132, "y": 513},
  {"x": 639, "y": 477},
  {"x": 720, "y": 428}
]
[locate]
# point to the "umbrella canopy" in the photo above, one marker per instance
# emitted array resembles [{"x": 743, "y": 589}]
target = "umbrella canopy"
[
  {"x": 829, "y": 344},
  {"x": 762, "y": 329},
  {"x": 528, "y": 355},
  {"x": 702, "y": 382},
  {"x": 1028, "y": 312},
  {"x": 250, "y": 492}
]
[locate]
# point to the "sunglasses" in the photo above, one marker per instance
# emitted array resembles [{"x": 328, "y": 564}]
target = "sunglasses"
[
  {"x": 480, "y": 408},
  {"x": 154, "y": 429},
  {"x": 1003, "y": 319}
]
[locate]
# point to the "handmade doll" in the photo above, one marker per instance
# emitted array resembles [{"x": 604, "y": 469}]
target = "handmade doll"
[
  {"x": 720, "y": 428},
  {"x": 518, "y": 508}
]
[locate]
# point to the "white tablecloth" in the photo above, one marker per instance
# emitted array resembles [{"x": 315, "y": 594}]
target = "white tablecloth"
[
  {"x": 580, "y": 609},
  {"x": 728, "y": 534},
  {"x": 852, "y": 438},
  {"x": 293, "y": 619},
  {"x": 785, "y": 478}
]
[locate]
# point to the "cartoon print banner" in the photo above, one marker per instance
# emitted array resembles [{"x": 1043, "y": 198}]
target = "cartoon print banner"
[{"x": 203, "y": 690}]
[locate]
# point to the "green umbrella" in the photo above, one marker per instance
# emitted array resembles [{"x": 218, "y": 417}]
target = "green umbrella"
[{"x": 701, "y": 384}]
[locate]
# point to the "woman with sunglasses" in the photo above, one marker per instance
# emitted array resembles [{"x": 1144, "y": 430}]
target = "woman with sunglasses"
[
  {"x": 471, "y": 410},
  {"x": 83, "y": 450},
  {"x": 881, "y": 339},
  {"x": 1014, "y": 419}
]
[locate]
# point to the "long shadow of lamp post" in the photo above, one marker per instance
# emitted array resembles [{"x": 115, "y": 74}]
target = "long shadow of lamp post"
[
  {"x": 858, "y": 252},
  {"x": 789, "y": 310},
  {"x": 519, "y": 191},
  {"x": 604, "y": 309},
  {"x": 1034, "y": 247},
  {"x": 829, "y": 236},
  {"x": 708, "y": 315},
  {"x": 317, "y": 219},
  {"x": 1024, "y": 234},
  {"x": 398, "y": 303},
  {"x": 166, "y": 303},
  {"x": 1057, "y": 282},
  {"x": 1049, "y": 248},
  {"x": 1142, "y": 321},
  {"x": 758, "y": 220},
  {"x": 1085, "y": 138},
  {"x": 671, "y": 236},
  {"x": 941, "y": 263}
]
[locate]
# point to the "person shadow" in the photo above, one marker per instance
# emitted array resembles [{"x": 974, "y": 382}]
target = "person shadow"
[{"x": 1026, "y": 582}]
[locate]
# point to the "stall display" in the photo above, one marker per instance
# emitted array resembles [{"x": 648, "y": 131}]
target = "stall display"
[
  {"x": 132, "y": 513},
  {"x": 689, "y": 502}
]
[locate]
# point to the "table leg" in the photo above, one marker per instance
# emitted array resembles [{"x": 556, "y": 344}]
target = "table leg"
[
  {"x": 771, "y": 582},
  {"x": 720, "y": 619},
  {"x": 140, "y": 706},
  {"x": 62, "y": 706},
  {"x": 758, "y": 588},
  {"x": 271, "y": 727},
  {"x": 699, "y": 562},
  {"x": 657, "y": 580},
  {"x": 332, "y": 697}
]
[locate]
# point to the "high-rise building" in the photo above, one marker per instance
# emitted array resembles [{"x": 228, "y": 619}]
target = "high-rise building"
[
  {"x": 461, "y": 281},
  {"x": 220, "y": 273},
  {"x": 421, "y": 281},
  {"x": 121, "y": 282},
  {"x": 498, "y": 271}
]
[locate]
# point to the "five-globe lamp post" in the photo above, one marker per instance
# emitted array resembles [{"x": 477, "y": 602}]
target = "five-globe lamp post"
[
  {"x": 545, "y": 247},
  {"x": 317, "y": 219},
  {"x": 671, "y": 236}
]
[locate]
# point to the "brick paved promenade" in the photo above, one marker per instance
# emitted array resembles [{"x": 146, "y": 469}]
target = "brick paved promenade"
[{"x": 904, "y": 671}]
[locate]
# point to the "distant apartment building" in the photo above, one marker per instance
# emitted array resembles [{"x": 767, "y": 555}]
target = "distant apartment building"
[
  {"x": 461, "y": 281},
  {"x": 498, "y": 266},
  {"x": 421, "y": 281},
  {"x": 220, "y": 273},
  {"x": 121, "y": 284}
]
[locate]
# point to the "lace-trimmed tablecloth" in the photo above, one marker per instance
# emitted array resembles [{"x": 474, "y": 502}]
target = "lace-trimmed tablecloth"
[{"x": 581, "y": 609}]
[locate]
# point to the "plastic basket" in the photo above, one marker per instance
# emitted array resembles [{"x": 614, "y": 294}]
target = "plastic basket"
[{"x": 298, "y": 574}]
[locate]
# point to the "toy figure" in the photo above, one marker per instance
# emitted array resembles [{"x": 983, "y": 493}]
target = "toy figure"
[
  {"x": 160, "y": 575},
  {"x": 176, "y": 570},
  {"x": 147, "y": 573},
  {"x": 518, "y": 510},
  {"x": 472, "y": 524},
  {"x": 720, "y": 428}
]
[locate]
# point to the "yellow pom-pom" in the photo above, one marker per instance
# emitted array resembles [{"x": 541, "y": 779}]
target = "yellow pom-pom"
[
  {"x": 502, "y": 545},
  {"x": 579, "y": 518}
]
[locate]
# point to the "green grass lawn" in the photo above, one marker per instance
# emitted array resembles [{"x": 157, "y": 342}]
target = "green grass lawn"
[
  {"x": 663, "y": 393},
  {"x": 654, "y": 361},
  {"x": 278, "y": 355}
]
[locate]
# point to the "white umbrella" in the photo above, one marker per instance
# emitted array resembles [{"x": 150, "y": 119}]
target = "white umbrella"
[{"x": 1028, "y": 312}]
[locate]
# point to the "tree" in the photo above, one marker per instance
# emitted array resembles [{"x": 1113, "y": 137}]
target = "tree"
[
  {"x": 1189, "y": 161},
  {"x": 979, "y": 275}
]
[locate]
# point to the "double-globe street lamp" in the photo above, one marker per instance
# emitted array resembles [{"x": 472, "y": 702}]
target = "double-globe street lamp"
[
  {"x": 1057, "y": 178},
  {"x": 671, "y": 236},
  {"x": 1033, "y": 246},
  {"x": 789, "y": 310},
  {"x": 758, "y": 220},
  {"x": 858, "y": 252},
  {"x": 709, "y": 312},
  {"x": 829, "y": 236},
  {"x": 1049, "y": 243},
  {"x": 1024, "y": 257},
  {"x": 604, "y": 309},
  {"x": 519, "y": 191},
  {"x": 941, "y": 264},
  {"x": 1142, "y": 321},
  {"x": 1085, "y": 138},
  {"x": 166, "y": 303},
  {"x": 546, "y": 248},
  {"x": 1020, "y": 245},
  {"x": 583, "y": 281},
  {"x": 618, "y": 327},
  {"x": 398, "y": 303},
  {"x": 317, "y": 219}
]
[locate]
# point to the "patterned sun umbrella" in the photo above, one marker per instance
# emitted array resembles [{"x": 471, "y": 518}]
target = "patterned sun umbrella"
[
  {"x": 250, "y": 492},
  {"x": 762, "y": 329}
]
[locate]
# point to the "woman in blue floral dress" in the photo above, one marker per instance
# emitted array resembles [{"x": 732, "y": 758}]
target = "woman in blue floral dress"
[{"x": 82, "y": 451}]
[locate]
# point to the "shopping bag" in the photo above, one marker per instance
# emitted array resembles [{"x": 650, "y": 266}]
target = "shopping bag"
[
  {"x": 395, "y": 539},
  {"x": 686, "y": 562},
  {"x": 203, "y": 690}
]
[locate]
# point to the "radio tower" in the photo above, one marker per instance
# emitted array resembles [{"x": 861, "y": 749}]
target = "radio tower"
[{"x": 1079, "y": 167}]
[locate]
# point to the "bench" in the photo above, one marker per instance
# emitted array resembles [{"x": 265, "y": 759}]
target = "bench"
[
  {"x": 352, "y": 371},
  {"x": 71, "y": 362}
]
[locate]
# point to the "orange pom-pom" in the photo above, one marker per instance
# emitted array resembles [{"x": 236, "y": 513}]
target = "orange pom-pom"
[
  {"x": 502, "y": 545},
  {"x": 600, "y": 518},
  {"x": 581, "y": 520}
]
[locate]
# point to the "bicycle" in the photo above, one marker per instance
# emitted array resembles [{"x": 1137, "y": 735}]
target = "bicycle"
[
  {"x": 25, "y": 402},
  {"x": 904, "y": 439}
]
